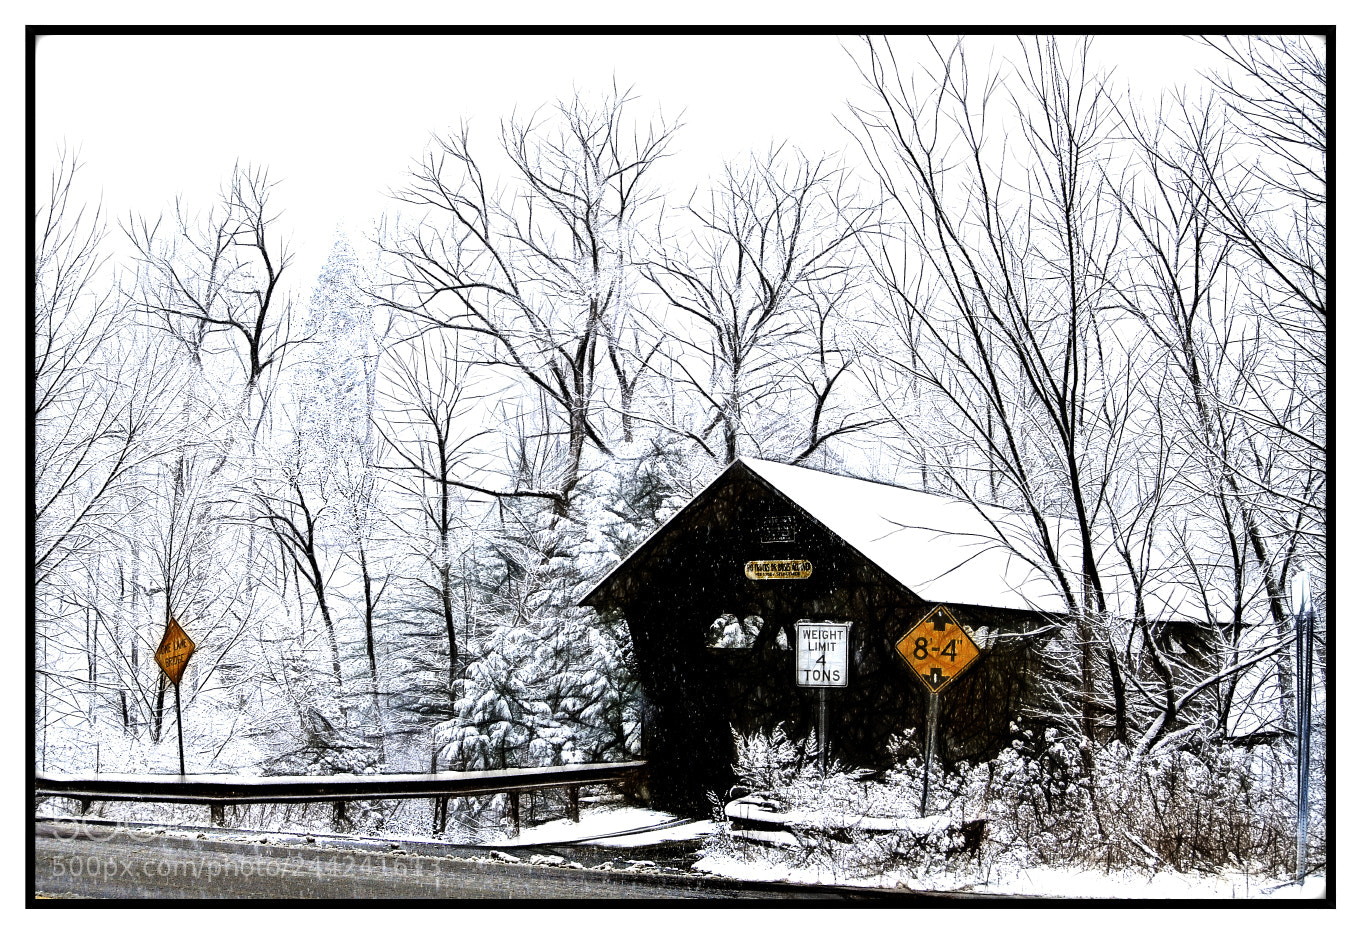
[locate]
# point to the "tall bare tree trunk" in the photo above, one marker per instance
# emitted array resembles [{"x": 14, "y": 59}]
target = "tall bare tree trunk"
[{"x": 369, "y": 610}]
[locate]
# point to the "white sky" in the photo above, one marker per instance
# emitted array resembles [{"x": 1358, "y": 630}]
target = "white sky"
[{"x": 339, "y": 119}]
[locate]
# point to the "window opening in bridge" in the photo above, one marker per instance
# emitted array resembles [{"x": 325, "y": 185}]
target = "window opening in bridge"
[{"x": 728, "y": 632}]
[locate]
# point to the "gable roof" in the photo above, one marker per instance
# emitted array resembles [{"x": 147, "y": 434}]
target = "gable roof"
[{"x": 941, "y": 549}]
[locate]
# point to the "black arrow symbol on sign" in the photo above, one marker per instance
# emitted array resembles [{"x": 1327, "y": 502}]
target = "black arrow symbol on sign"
[{"x": 936, "y": 679}]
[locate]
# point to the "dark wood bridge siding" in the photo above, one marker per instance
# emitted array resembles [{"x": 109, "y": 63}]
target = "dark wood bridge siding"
[{"x": 679, "y": 582}]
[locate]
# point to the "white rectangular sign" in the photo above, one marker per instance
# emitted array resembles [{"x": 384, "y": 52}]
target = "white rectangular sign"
[
  {"x": 820, "y": 657},
  {"x": 1301, "y": 599}
]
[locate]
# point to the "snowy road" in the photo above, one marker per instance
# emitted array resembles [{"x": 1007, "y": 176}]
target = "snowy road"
[{"x": 112, "y": 863}]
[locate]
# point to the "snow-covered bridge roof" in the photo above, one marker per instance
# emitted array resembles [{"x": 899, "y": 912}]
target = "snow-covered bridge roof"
[
  {"x": 951, "y": 551},
  {"x": 946, "y": 550}
]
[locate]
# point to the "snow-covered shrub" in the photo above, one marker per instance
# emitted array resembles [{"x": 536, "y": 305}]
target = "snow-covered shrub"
[
  {"x": 849, "y": 823},
  {"x": 775, "y": 762},
  {"x": 1201, "y": 806},
  {"x": 1205, "y": 805}
]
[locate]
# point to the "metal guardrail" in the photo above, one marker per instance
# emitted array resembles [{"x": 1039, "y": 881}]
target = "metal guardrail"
[
  {"x": 281, "y": 789},
  {"x": 219, "y": 790}
]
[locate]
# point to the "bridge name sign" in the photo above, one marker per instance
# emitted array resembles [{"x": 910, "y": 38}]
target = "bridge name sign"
[{"x": 791, "y": 570}]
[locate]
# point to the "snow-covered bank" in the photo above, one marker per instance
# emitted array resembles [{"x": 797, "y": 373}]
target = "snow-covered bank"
[
  {"x": 1041, "y": 882},
  {"x": 615, "y": 826}
]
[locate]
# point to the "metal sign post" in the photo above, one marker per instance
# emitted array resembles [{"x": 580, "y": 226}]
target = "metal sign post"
[
  {"x": 179, "y": 726},
  {"x": 932, "y": 725},
  {"x": 820, "y": 661},
  {"x": 173, "y": 655},
  {"x": 937, "y": 649},
  {"x": 822, "y": 729},
  {"x": 1303, "y": 605}
]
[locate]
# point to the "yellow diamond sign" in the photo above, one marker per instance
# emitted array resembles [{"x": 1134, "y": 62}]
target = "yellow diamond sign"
[
  {"x": 937, "y": 649},
  {"x": 173, "y": 655}
]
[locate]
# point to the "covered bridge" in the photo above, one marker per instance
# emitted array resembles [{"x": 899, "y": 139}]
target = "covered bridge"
[{"x": 714, "y": 646}]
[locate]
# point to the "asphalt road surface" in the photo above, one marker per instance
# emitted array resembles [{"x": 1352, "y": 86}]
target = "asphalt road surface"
[{"x": 109, "y": 862}]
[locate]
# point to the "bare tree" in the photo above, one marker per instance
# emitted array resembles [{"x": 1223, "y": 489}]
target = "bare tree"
[
  {"x": 98, "y": 390},
  {"x": 1017, "y": 238},
  {"x": 758, "y": 284},
  {"x": 1274, "y": 203},
  {"x": 213, "y": 282},
  {"x": 196, "y": 573},
  {"x": 537, "y": 276},
  {"x": 361, "y": 520},
  {"x": 101, "y": 393},
  {"x": 1273, "y": 206},
  {"x": 294, "y": 510},
  {"x": 825, "y": 357},
  {"x": 1075, "y": 316},
  {"x": 1233, "y": 239},
  {"x": 428, "y": 453},
  {"x": 1259, "y": 166}
]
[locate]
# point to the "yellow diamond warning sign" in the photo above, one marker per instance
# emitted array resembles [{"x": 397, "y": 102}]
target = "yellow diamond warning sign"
[
  {"x": 937, "y": 649},
  {"x": 173, "y": 655}
]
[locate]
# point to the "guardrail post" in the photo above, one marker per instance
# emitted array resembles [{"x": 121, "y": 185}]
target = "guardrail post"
[
  {"x": 515, "y": 810},
  {"x": 83, "y": 806},
  {"x": 441, "y": 813},
  {"x": 216, "y": 810},
  {"x": 635, "y": 787},
  {"x": 339, "y": 820},
  {"x": 574, "y": 804}
]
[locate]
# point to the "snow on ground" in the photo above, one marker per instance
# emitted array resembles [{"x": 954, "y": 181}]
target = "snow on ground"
[
  {"x": 1042, "y": 882},
  {"x": 611, "y": 825},
  {"x": 596, "y": 822}
]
